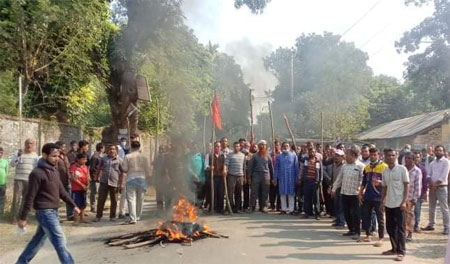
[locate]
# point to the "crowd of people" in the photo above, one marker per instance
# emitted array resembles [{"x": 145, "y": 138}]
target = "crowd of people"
[{"x": 360, "y": 188}]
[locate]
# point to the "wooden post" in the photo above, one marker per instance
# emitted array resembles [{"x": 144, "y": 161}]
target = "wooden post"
[
  {"x": 157, "y": 127},
  {"x": 20, "y": 113},
  {"x": 271, "y": 124},
  {"x": 211, "y": 155},
  {"x": 251, "y": 118},
  {"x": 204, "y": 134},
  {"x": 289, "y": 129}
]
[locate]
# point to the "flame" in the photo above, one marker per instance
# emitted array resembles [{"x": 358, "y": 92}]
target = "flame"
[{"x": 183, "y": 212}]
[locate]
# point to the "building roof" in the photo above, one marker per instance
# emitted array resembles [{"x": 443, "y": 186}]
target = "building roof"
[{"x": 405, "y": 127}]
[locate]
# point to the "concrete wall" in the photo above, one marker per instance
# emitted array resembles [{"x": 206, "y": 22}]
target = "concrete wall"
[
  {"x": 46, "y": 131},
  {"x": 39, "y": 130}
]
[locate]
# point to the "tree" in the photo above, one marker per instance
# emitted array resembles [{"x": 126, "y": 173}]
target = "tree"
[
  {"x": 389, "y": 100},
  {"x": 256, "y": 6},
  {"x": 427, "y": 71},
  {"x": 53, "y": 45},
  {"x": 140, "y": 23},
  {"x": 330, "y": 76}
]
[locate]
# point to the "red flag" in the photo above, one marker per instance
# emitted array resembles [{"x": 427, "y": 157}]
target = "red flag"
[{"x": 216, "y": 119}]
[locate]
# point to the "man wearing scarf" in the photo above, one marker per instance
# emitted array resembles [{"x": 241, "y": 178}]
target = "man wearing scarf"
[
  {"x": 260, "y": 170},
  {"x": 370, "y": 195}
]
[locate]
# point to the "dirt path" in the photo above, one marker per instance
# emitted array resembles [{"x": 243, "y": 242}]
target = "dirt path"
[{"x": 254, "y": 238}]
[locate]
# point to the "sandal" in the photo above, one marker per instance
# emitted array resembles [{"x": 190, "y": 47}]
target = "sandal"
[
  {"x": 364, "y": 239},
  {"x": 399, "y": 258}
]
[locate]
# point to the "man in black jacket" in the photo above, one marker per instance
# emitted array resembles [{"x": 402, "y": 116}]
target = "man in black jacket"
[{"x": 43, "y": 192}]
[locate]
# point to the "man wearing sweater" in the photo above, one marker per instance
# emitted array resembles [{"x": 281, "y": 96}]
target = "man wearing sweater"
[
  {"x": 43, "y": 193},
  {"x": 24, "y": 161}
]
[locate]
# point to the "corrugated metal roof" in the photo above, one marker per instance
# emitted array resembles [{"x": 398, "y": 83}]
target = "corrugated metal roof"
[{"x": 404, "y": 127}]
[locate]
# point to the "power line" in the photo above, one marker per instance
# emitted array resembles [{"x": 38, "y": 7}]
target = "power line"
[{"x": 361, "y": 18}]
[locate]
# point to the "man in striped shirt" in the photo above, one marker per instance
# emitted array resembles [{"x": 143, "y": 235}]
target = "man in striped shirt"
[
  {"x": 415, "y": 186},
  {"x": 24, "y": 161},
  {"x": 349, "y": 180}
]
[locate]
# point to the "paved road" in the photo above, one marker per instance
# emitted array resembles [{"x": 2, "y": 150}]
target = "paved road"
[{"x": 254, "y": 238}]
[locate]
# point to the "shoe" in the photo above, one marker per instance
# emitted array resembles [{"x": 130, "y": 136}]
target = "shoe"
[
  {"x": 292, "y": 213},
  {"x": 399, "y": 258},
  {"x": 389, "y": 253},
  {"x": 416, "y": 230},
  {"x": 129, "y": 223},
  {"x": 121, "y": 216},
  {"x": 97, "y": 220},
  {"x": 349, "y": 234},
  {"x": 339, "y": 227},
  {"x": 70, "y": 218},
  {"x": 334, "y": 224},
  {"x": 409, "y": 239},
  {"x": 427, "y": 228},
  {"x": 282, "y": 213},
  {"x": 317, "y": 217}
]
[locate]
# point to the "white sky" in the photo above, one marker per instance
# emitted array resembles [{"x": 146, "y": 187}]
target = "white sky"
[{"x": 284, "y": 20}]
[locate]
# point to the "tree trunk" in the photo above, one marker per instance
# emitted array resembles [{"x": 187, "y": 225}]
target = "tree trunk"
[{"x": 121, "y": 93}]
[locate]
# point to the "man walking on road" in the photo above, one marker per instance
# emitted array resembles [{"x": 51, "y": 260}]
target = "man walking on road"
[
  {"x": 43, "y": 193},
  {"x": 437, "y": 182},
  {"x": 395, "y": 194}
]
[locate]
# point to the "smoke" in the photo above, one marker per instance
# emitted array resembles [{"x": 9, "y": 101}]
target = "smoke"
[{"x": 251, "y": 58}]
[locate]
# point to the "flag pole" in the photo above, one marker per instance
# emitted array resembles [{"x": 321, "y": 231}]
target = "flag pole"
[
  {"x": 211, "y": 154},
  {"x": 251, "y": 118}
]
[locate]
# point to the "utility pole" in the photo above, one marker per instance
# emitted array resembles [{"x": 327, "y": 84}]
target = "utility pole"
[
  {"x": 292, "y": 76},
  {"x": 20, "y": 112},
  {"x": 251, "y": 118}
]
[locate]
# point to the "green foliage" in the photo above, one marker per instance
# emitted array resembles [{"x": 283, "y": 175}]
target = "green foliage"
[
  {"x": 256, "y": 6},
  {"x": 9, "y": 92},
  {"x": 56, "y": 46},
  {"x": 330, "y": 76},
  {"x": 427, "y": 71}
]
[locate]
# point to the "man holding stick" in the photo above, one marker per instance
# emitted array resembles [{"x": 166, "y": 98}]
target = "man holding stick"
[{"x": 234, "y": 171}]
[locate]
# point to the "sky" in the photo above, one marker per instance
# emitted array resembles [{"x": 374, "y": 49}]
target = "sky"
[{"x": 249, "y": 37}]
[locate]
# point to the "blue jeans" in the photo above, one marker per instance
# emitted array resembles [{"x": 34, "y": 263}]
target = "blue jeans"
[
  {"x": 339, "y": 209},
  {"x": 48, "y": 227},
  {"x": 417, "y": 210}
]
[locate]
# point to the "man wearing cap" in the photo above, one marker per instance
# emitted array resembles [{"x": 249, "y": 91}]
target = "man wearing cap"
[{"x": 260, "y": 171}]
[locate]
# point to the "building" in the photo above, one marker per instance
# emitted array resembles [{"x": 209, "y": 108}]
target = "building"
[{"x": 421, "y": 131}]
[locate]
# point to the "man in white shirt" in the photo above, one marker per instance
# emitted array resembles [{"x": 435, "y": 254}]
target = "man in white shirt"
[
  {"x": 395, "y": 193},
  {"x": 437, "y": 184}
]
